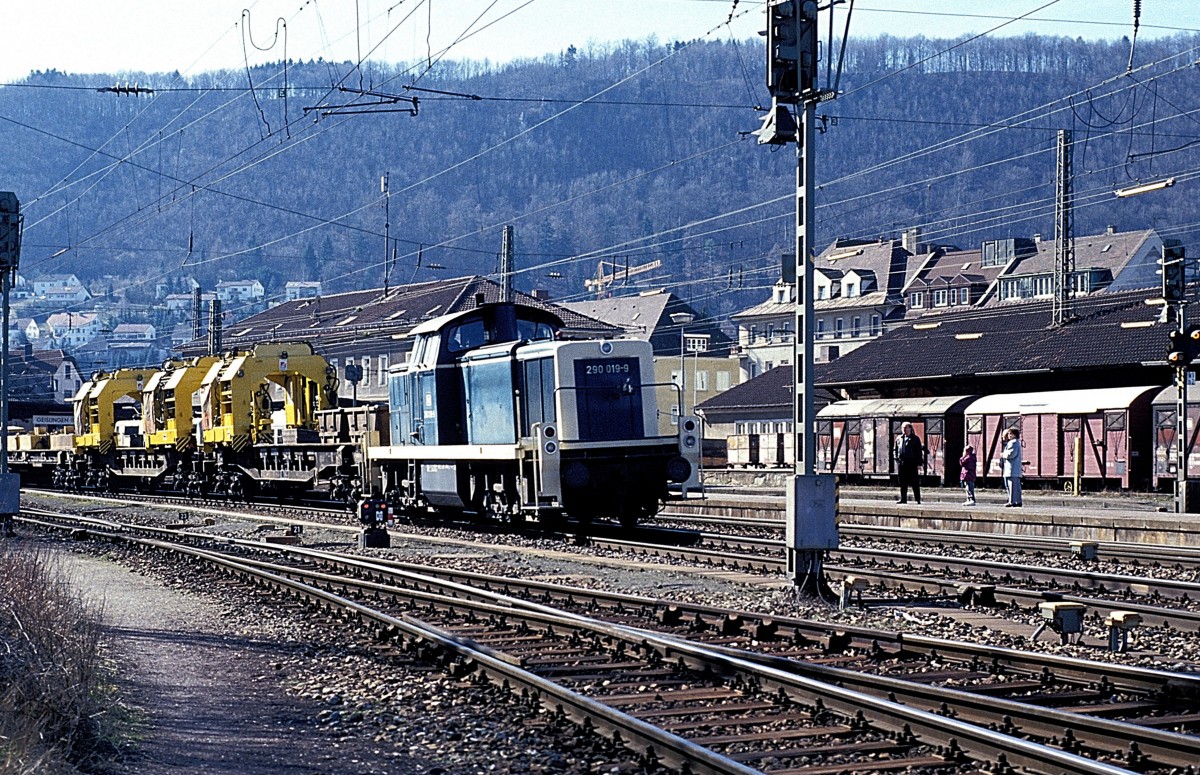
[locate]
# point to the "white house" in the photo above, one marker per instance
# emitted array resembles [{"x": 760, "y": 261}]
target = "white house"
[
  {"x": 73, "y": 329},
  {"x": 46, "y": 283},
  {"x": 301, "y": 290},
  {"x": 133, "y": 332},
  {"x": 240, "y": 291}
]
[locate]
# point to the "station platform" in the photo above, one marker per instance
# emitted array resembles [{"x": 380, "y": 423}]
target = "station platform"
[{"x": 1134, "y": 518}]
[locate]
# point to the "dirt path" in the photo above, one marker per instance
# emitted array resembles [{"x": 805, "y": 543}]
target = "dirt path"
[{"x": 208, "y": 695}]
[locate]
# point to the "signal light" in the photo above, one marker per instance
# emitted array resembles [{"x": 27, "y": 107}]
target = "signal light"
[{"x": 1183, "y": 346}]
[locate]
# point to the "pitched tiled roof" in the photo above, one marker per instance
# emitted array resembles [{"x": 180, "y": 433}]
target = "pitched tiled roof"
[
  {"x": 1108, "y": 330},
  {"x": 343, "y": 317},
  {"x": 1110, "y": 250},
  {"x": 771, "y": 390},
  {"x": 637, "y": 315}
]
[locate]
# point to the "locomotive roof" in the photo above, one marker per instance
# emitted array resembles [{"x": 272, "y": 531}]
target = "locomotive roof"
[{"x": 524, "y": 312}]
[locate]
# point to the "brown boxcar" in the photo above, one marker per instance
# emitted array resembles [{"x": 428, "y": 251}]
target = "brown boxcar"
[
  {"x": 1107, "y": 428},
  {"x": 855, "y": 438},
  {"x": 1164, "y": 435}
]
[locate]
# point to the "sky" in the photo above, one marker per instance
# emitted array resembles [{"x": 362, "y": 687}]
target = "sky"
[{"x": 194, "y": 36}]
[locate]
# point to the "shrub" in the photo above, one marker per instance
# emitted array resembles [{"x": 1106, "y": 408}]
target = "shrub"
[{"x": 50, "y": 676}]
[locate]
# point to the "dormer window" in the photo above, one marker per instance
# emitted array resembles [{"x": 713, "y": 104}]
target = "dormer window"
[
  {"x": 916, "y": 299},
  {"x": 851, "y": 290},
  {"x": 821, "y": 291}
]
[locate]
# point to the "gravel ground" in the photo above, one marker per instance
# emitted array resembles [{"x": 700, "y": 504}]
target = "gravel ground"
[
  {"x": 218, "y": 682},
  {"x": 346, "y": 709}
]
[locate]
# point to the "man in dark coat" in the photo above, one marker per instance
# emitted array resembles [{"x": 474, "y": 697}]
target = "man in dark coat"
[{"x": 910, "y": 456}]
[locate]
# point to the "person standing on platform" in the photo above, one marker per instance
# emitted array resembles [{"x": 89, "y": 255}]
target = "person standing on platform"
[
  {"x": 1011, "y": 455},
  {"x": 909, "y": 455},
  {"x": 967, "y": 463}
]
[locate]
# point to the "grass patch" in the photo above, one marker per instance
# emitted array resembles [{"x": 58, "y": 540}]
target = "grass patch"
[{"x": 53, "y": 690}]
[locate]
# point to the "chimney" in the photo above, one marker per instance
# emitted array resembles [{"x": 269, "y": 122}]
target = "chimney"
[
  {"x": 1111, "y": 229},
  {"x": 541, "y": 294},
  {"x": 1037, "y": 238},
  {"x": 911, "y": 240}
]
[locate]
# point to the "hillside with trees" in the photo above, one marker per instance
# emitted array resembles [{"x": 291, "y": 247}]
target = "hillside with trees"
[{"x": 634, "y": 152}]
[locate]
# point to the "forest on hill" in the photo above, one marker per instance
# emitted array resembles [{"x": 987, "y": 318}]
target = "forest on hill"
[{"x": 628, "y": 153}]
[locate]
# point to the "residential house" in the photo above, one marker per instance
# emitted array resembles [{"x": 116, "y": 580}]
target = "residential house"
[
  {"x": 301, "y": 290},
  {"x": 42, "y": 375},
  {"x": 46, "y": 283},
  {"x": 69, "y": 330},
  {"x": 1112, "y": 261},
  {"x": 240, "y": 292},
  {"x": 182, "y": 302},
  {"x": 134, "y": 344},
  {"x": 857, "y": 292}
]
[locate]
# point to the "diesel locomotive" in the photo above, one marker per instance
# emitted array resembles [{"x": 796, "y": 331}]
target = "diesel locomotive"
[{"x": 493, "y": 414}]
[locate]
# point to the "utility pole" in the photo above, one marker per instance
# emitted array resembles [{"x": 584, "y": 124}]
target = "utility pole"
[
  {"x": 387, "y": 228},
  {"x": 10, "y": 255},
  {"x": 1064, "y": 231},
  {"x": 506, "y": 263},
  {"x": 214, "y": 327},
  {"x": 1183, "y": 345},
  {"x": 197, "y": 312},
  {"x": 792, "y": 45}
]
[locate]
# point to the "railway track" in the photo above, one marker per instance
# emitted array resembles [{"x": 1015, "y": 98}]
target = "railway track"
[
  {"x": 714, "y": 694},
  {"x": 1171, "y": 603}
]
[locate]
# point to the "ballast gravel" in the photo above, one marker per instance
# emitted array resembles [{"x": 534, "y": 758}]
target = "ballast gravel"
[{"x": 355, "y": 709}]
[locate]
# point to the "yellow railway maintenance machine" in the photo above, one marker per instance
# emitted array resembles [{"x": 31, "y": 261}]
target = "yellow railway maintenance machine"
[{"x": 259, "y": 423}]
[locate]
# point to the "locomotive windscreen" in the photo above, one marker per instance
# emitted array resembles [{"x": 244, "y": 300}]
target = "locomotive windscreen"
[{"x": 608, "y": 399}]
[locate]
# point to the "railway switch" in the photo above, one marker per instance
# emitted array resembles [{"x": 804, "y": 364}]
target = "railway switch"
[
  {"x": 1120, "y": 623},
  {"x": 853, "y": 586},
  {"x": 1085, "y": 550},
  {"x": 1063, "y": 617},
  {"x": 977, "y": 594}
]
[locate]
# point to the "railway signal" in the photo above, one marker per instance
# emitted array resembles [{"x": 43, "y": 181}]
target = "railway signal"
[
  {"x": 1173, "y": 271},
  {"x": 1183, "y": 346}
]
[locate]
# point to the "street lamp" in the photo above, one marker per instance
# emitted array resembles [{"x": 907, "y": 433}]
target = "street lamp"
[{"x": 681, "y": 319}]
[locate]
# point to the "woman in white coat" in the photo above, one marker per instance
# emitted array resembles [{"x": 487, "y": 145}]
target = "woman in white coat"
[{"x": 1011, "y": 455}]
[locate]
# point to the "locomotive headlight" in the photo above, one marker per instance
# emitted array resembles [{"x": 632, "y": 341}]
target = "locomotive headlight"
[{"x": 606, "y": 347}]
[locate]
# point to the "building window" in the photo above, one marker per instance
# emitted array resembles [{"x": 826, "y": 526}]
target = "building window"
[
  {"x": 820, "y": 291},
  {"x": 753, "y": 334},
  {"x": 723, "y": 380},
  {"x": 837, "y": 328},
  {"x": 770, "y": 332},
  {"x": 767, "y": 366},
  {"x": 702, "y": 381},
  {"x": 695, "y": 344},
  {"x": 875, "y": 325},
  {"x": 856, "y": 326},
  {"x": 964, "y": 296},
  {"x": 366, "y": 373},
  {"x": 916, "y": 300},
  {"x": 851, "y": 290},
  {"x": 383, "y": 367},
  {"x": 820, "y": 328},
  {"x": 941, "y": 298}
]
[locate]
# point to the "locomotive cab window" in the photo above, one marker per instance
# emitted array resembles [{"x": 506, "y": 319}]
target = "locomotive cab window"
[
  {"x": 533, "y": 331},
  {"x": 466, "y": 336}
]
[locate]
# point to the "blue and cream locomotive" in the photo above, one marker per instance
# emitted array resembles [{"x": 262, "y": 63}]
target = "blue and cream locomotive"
[{"x": 492, "y": 414}]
